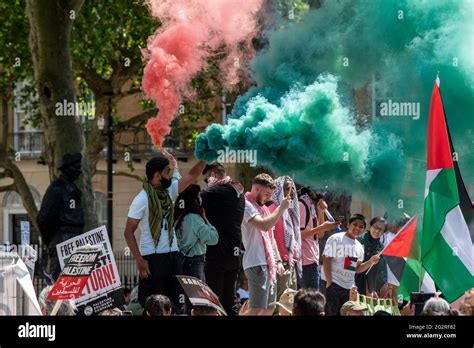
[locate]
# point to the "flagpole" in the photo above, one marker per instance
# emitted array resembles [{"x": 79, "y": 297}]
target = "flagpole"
[{"x": 421, "y": 279}]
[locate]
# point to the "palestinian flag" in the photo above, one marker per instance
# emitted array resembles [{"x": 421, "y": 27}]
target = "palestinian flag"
[
  {"x": 350, "y": 263},
  {"x": 446, "y": 243},
  {"x": 403, "y": 268}
]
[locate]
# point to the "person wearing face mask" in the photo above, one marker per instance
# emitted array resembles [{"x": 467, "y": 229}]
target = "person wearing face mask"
[
  {"x": 61, "y": 215},
  {"x": 157, "y": 256},
  {"x": 224, "y": 204},
  {"x": 261, "y": 260},
  {"x": 342, "y": 259},
  {"x": 372, "y": 243}
]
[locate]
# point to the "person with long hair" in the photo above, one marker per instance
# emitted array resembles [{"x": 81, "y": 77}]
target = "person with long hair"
[{"x": 193, "y": 231}]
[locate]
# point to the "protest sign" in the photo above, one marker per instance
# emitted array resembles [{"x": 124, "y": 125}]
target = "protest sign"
[
  {"x": 75, "y": 274},
  {"x": 103, "y": 290},
  {"x": 29, "y": 257},
  {"x": 199, "y": 293},
  {"x": 25, "y": 232}
]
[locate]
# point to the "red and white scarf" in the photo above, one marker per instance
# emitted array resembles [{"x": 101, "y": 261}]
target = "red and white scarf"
[
  {"x": 266, "y": 237},
  {"x": 239, "y": 189}
]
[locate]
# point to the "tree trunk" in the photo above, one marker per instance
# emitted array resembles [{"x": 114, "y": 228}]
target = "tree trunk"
[
  {"x": 22, "y": 188},
  {"x": 50, "y": 25},
  {"x": 95, "y": 143}
]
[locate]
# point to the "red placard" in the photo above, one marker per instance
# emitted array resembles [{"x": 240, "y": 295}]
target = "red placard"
[{"x": 75, "y": 274}]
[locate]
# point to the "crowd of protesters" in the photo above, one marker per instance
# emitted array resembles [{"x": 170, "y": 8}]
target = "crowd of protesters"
[{"x": 259, "y": 251}]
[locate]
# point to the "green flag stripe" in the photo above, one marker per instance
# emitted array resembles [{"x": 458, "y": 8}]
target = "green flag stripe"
[
  {"x": 441, "y": 264},
  {"x": 409, "y": 281},
  {"x": 442, "y": 197}
]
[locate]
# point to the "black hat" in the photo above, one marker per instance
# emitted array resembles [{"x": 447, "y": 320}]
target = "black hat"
[{"x": 70, "y": 159}]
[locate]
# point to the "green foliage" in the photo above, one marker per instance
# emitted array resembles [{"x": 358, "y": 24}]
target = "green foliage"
[
  {"x": 293, "y": 10},
  {"x": 15, "y": 58},
  {"x": 108, "y": 34}
]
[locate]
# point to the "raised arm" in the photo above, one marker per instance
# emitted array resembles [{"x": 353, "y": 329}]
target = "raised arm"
[
  {"x": 188, "y": 178},
  {"x": 191, "y": 176},
  {"x": 263, "y": 224}
]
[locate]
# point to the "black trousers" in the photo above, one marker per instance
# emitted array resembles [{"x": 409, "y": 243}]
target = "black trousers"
[
  {"x": 162, "y": 280},
  {"x": 222, "y": 281},
  {"x": 336, "y": 296}
]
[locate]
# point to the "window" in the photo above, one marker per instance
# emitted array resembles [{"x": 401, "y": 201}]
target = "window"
[
  {"x": 26, "y": 139},
  {"x": 13, "y": 200}
]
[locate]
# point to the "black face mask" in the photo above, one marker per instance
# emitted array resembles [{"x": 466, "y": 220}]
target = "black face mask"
[
  {"x": 165, "y": 183},
  {"x": 72, "y": 173}
]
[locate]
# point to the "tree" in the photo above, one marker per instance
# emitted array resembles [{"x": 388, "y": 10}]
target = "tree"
[{"x": 50, "y": 26}]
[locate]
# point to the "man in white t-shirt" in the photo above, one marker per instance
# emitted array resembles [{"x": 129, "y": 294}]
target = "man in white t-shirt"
[
  {"x": 152, "y": 209},
  {"x": 261, "y": 260},
  {"x": 343, "y": 256}
]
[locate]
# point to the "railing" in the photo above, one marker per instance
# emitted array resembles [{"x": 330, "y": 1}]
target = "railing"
[
  {"x": 138, "y": 141},
  {"x": 135, "y": 141},
  {"x": 127, "y": 269}
]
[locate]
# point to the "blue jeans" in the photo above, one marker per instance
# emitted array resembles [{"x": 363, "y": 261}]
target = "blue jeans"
[
  {"x": 310, "y": 277},
  {"x": 194, "y": 267}
]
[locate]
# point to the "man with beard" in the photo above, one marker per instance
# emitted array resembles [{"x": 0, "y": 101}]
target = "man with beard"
[
  {"x": 157, "y": 257},
  {"x": 61, "y": 215},
  {"x": 261, "y": 261}
]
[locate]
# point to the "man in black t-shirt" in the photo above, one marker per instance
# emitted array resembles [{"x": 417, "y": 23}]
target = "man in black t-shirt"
[{"x": 224, "y": 204}]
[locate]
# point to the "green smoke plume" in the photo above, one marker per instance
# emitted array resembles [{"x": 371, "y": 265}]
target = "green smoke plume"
[{"x": 301, "y": 121}]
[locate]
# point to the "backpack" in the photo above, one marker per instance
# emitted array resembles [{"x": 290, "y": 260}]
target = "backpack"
[{"x": 308, "y": 214}]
